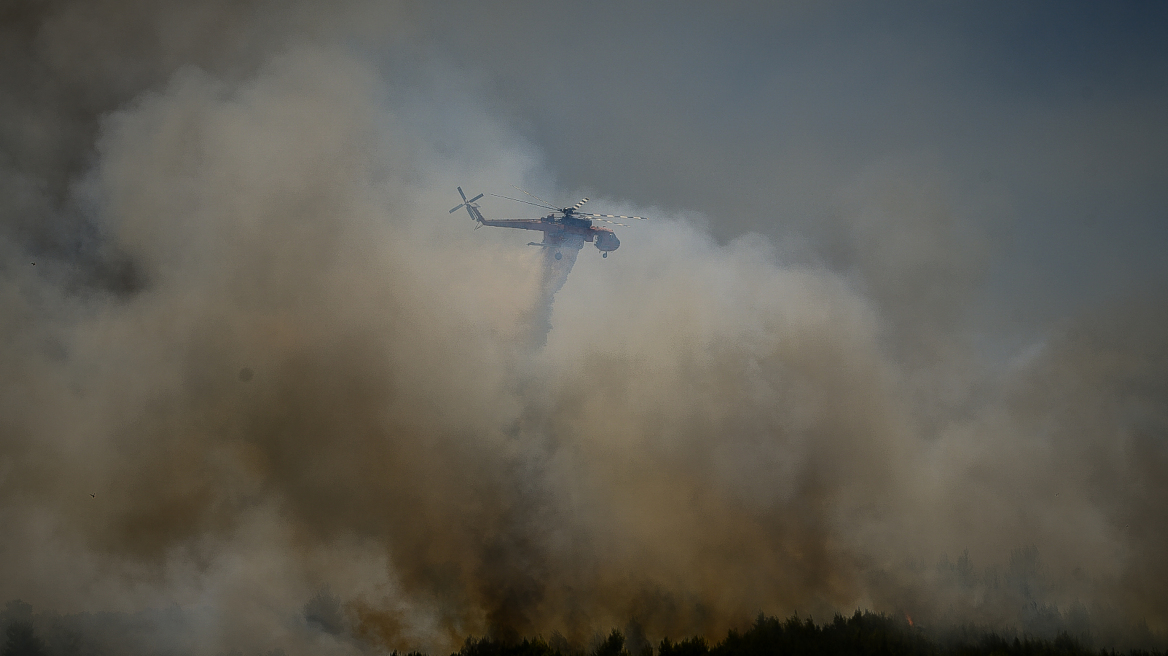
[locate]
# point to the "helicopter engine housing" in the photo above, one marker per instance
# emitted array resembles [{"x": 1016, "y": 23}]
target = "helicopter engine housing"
[{"x": 606, "y": 240}]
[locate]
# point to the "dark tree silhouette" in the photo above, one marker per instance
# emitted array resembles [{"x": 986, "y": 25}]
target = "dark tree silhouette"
[
  {"x": 613, "y": 645},
  {"x": 688, "y": 647},
  {"x": 861, "y": 634},
  {"x": 21, "y": 640}
]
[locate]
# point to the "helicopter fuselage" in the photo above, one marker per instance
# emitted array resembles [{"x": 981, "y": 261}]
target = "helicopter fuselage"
[{"x": 552, "y": 226}]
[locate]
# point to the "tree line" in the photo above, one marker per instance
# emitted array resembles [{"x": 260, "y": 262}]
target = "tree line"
[{"x": 861, "y": 634}]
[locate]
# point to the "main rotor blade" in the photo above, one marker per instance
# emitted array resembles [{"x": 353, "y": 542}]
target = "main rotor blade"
[
  {"x": 612, "y": 222},
  {"x": 519, "y": 200},
  {"x": 475, "y": 198},
  {"x": 610, "y": 216},
  {"x": 456, "y": 209},
  {"x": 462, "y": 194},
  {"x": 577, "y": 205},
  {"x": 534, "y": 196}
]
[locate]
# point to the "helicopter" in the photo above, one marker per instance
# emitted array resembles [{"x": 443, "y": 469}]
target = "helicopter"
[{"x": 564, "y": 228}]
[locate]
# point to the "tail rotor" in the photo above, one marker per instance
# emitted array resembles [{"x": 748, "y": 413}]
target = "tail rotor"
[{"x": 468, "y": 204}]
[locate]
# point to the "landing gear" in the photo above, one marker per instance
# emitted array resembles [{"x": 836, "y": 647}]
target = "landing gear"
[{"x": 604, "y": 254}]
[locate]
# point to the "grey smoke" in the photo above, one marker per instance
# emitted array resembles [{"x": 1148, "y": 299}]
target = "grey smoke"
[{"x": 716, "y": 426}]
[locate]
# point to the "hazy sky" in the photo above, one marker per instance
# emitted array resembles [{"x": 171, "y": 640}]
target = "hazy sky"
[
  {"x": 1040, "y": 122},
  {"x": 901, "y": 299}
]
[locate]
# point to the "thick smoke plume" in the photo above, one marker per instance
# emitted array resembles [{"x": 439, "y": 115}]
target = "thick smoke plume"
[{"x": 249, "y": 363}]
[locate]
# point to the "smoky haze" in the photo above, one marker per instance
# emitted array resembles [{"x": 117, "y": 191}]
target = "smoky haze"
[{"x": 253, "y": 368}]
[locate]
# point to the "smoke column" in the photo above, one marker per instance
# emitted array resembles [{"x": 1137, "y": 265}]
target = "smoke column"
[{"x": 248, "y": 362}]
